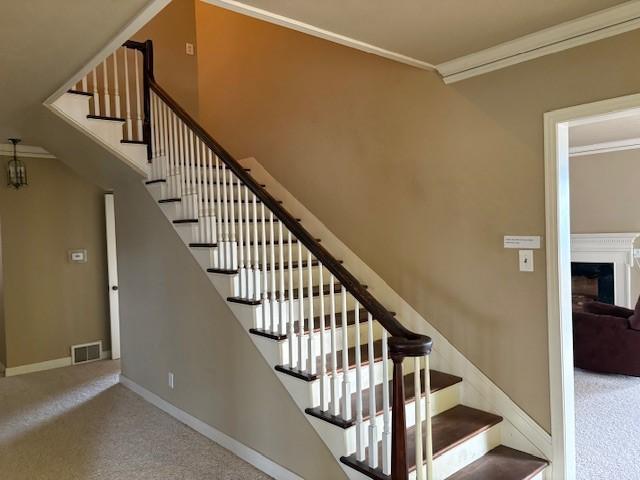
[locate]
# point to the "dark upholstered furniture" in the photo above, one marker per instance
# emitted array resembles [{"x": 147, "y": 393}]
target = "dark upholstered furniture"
[{"x": 606, "y": 338}]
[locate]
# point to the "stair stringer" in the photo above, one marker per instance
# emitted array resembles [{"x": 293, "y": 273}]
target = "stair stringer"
[{"x": 519, "y": 430}]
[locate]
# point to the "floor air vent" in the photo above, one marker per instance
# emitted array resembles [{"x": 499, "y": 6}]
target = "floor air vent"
[{"x": 87, "y": 352}]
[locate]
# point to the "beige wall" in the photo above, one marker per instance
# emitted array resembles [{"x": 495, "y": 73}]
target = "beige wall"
[
  {"x": 51, "y": 304},
  {"x": 176, "y": 71},
  {"x": 605, "y": 197},
  {"x": 174, "y": 321},
  {"x": 420, "y": 179}
]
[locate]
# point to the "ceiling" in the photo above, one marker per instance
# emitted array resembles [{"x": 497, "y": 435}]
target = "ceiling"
[
  {"x": 432, "y": 31},
  {"x": 606, "y": 130}
]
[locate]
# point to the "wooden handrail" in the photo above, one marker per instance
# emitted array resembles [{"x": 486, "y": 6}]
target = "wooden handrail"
[{"x": 353, "y": 286}]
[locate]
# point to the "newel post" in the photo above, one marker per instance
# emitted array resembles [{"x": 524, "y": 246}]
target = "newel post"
[
  {"x": 399, "y": 349},
  {"x": 147, "y": 77}
]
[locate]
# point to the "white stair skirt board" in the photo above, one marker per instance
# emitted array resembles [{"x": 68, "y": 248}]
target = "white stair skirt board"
[
  {"x": 245, "y": 453},
  {"x": 47, "y": 365},
  {"x": 519, "y": 431},
  {"x": 74, "y": 110}
]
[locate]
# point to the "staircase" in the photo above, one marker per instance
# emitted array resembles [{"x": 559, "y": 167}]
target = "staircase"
[{"x": 361, "y": 377}]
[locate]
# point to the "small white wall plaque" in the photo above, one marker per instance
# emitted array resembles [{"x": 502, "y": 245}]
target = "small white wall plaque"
[
  {"x": 78, "y": 256},
  {"x": 522, "y": 242}
]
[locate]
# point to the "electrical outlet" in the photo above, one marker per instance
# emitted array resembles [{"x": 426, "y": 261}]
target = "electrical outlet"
[
  {"x": 171, "y": 384},
  {"x": 189, "y": 49}
]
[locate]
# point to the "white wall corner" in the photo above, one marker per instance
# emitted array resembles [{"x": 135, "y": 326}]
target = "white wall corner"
[{"x": 246, "y": 453}]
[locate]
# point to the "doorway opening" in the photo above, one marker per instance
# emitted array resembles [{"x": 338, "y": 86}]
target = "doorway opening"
[{"x": 588, "y": 268}]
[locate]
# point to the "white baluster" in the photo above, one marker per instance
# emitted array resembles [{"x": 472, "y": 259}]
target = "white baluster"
[
  {"x": 232, "y": 220},
  {"x": 257, "y": 287},
  {"x": 188, "y": 186},
  {"x": 359, "y": 436},
  {"x": 281, "y": 307},
  {"x": 116, "y": 84},
  {"x": 225, "y": 215},
  {"x": 178, "y": 158},
  {"x": 418, "y": 410},
  {"x": 292, "y": 336},
  {"x": 301, "y": 358},
  {"x": 311, "y": 347},
  {"x": 197, "y": 198},
  {"x": 373, "y": 429},
  {"x": 272, "y": 257},
  {"x": 105, "y": 81},
  {"x": 427, "y": 416},
  {"x": 84, "y": 84},
  {"x": 205, "y": 218},
  {"x": 346, "y": 386},
  {"x": 138, "y": 105},
  {"x": 127, "y": 96},
  {"x": 324, "y": 406},
  {"x": 154, "y": 134},
  {"x": 220, "y": 222},
  {"x": 241, "y": 269},
  {"x": 247, "y": 224},
  {"x": 386, "y": 411},
  {"x": 174, "y": 185},
  {"x": 265, "y": 272},
  {"x": 96, "y": 95},
  {"x": 212, "y": 215},
  {"x": 195, "y": 174},
  {"x": 335, "y": 388}
]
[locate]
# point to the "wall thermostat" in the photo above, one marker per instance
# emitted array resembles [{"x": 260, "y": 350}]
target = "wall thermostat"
[{"x": 78, "y": 256}]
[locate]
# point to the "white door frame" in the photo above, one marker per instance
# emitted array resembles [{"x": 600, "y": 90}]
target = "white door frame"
[
  {"x": 112, "y": 268},
  {"x": 558, "y": 246}
]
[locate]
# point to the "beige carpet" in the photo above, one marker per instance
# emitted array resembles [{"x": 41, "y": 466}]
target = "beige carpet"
[
  {"x": 607, "y": 426},
  {"x": 79, "y": 423}
]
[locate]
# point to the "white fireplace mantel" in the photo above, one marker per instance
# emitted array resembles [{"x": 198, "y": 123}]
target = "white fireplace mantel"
[{"x": 616, "y": 248}]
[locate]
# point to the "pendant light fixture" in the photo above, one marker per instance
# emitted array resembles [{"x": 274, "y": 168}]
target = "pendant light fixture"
[{"x": 16, "y": 169}]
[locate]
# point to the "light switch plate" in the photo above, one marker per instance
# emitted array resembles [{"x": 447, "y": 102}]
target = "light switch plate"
[
  {"x": 189, "y": 49},
  {"x": 526, "y": 260},
  {"x": 171, "y": 380}
]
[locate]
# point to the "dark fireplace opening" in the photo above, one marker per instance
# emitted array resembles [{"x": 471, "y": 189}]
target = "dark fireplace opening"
[{"x": 591, "y": 282}]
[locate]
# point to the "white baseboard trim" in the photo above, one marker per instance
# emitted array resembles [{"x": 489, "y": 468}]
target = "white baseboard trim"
[
  {"x": 247, "y": 454},
  {"x": 47, "y": 365},
  {"x": 520, "y": 430}
]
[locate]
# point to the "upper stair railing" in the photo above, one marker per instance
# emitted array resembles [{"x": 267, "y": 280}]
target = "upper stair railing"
[{"x": 303, "y": 293}]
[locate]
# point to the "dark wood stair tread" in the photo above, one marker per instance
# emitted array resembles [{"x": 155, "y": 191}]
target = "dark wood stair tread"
[
  {"x": 80, "y": 92},
  {"x": 316, "y": 293},
  {"x": 449, "y": 429},
  {"x": 157, "y": 180},
  {"x": 439, "y": 381},
  {"x": 104, "y": 117},
  {"x": 502, "y": 463},
  {"x": 134, "y": 142}
]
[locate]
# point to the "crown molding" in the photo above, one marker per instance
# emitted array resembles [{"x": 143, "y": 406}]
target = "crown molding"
[
  {"x": 590, "y": 28},
  {"x": 6, "y": 149},
  {"x": 293, "y": 24},
  {"x": 605, "y": 147}
]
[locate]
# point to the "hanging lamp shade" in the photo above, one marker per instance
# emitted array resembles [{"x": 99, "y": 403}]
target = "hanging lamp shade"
[{"x": 16, "y": 169}]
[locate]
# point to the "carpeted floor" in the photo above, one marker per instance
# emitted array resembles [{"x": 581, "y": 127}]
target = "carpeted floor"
[
  {"x": 79, "y": 423},
  {"x": 607, "y": 426}
]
